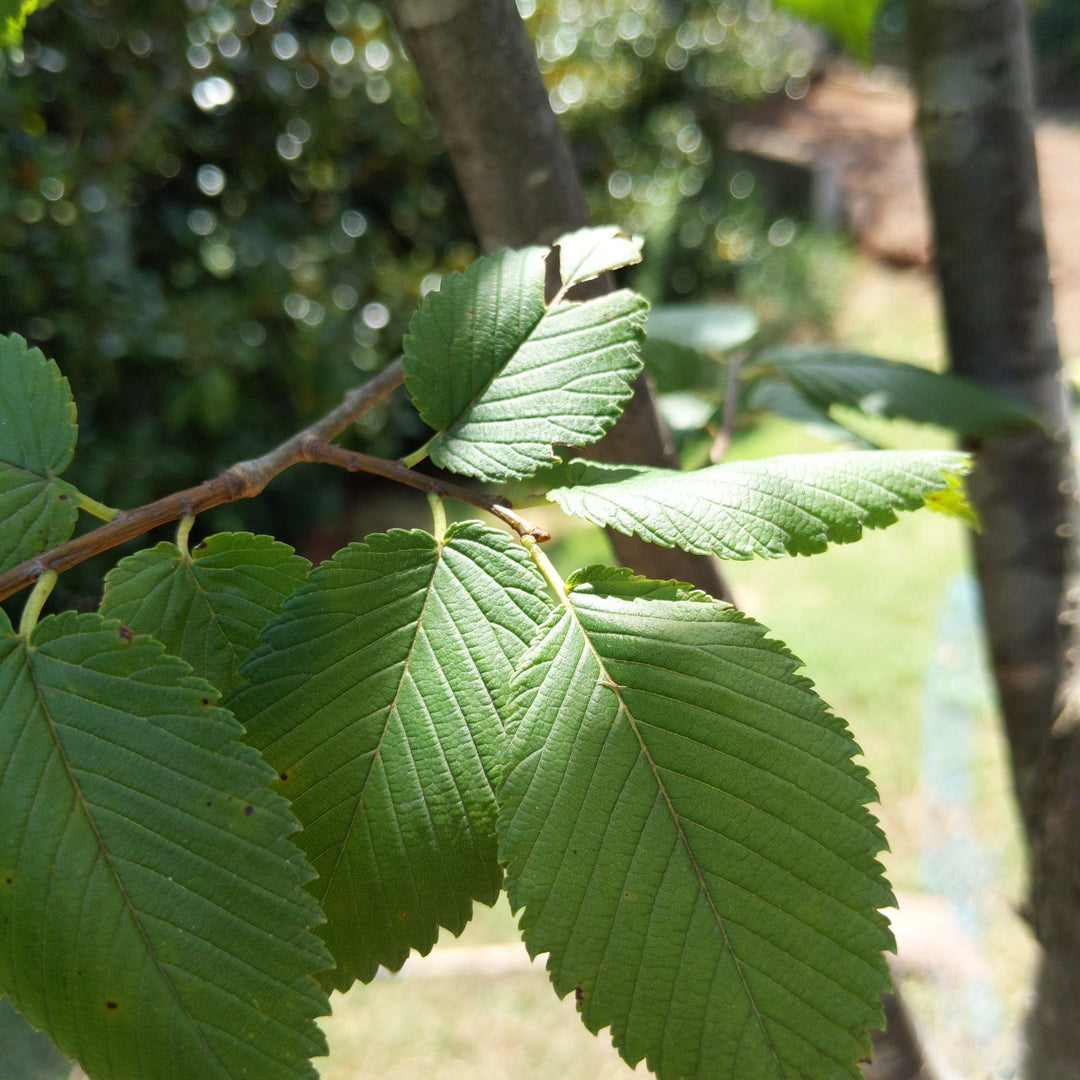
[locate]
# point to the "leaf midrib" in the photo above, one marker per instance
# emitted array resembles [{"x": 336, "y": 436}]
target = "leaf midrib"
[
  {"x": 392, "y": 710},
  {"x": 107, "y": 856},
  {"x": 624, "y": 710},
  {"x": 471, "y": 404}
]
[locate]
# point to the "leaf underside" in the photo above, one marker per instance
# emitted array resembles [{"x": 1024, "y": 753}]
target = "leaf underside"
[
  {"x": 791, "y": 505},
  {"x": 501, "y": 375},
  {"x": 685, "y": 830},
  {"x": 376, "y": 698},
  {"x": 153, "y": 917},
  {"x": 207, "y": 609},
  {"x": 894, "y": 390},
  {"x": 37, "y": 441}
]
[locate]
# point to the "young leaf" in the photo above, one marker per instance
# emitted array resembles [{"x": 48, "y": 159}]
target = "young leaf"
[
  {"x": 792, "y": 505},
  {"x": 37, "y": 441},
  {"x": 153, "y": 918},
  {"x": 500, "y": 374},
  {"x": 687, "y": 834},
  {"x": 207, "y": 607},
  {"x": 588, "y": 253},
  {"x": 377, "y": 696},
  {"x": 897, "y": 391}
]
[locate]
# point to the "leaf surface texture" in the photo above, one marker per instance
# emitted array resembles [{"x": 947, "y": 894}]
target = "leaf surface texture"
[
  {"x": 37, "y": 441},
  {"x": 153, "y": 917},
  {"x": 792, "y": 505},
  {"x": 685, "y": 830},
  {"x": 208, "y": 607},
  {"x": 500, "y": 374},
  {"x": 376, "y": 697}
]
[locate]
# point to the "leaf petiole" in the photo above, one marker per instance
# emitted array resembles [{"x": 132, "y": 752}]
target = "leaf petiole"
[
  {"x": 95, "y": 508},
  {"x": 412, "y": 460},
  {"x": 35, "y": 602},
  {"x": 183, "y": 531},
  {"x": 438, "y": 516},
  {"x": 546, "y": 567}
]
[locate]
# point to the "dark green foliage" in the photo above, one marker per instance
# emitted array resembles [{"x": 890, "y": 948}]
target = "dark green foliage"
[{"x": 198, "y": 327}]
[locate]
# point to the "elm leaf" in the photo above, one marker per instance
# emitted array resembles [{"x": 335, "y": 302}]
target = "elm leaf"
[
  {"x": 893, "y": 390},
  {"x": 377, "y": 696},
  {"x": 792, "y": 505},
  {"x": 209, "y": 606},
  {"x": 37, "y": 441},
  {"x": 501, "y": 372},
  {"x": 153, "y": 915},
  {"x": 686, "y": 835}
]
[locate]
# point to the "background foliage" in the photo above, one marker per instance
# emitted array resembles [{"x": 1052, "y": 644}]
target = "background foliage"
[{"x": 213, "y": 211}]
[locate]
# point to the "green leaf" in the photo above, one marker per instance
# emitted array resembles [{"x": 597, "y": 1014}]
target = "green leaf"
[
  {"x": 588, "y": 253},
  {"x": 377, "y": 697},
  {"x": 674, "y": 368},
  {"x": 849, "y": 20},
  {"x": 687, "y": 834},
  {"x": 782, "y": 399},
  {"x": 153, "y": 918},
  {"x": 712, "y": 329},
  {"x": 37, "y": 442},
  {"x": 894, "y": 390},
  {"x": 952, "y": 501},
  {"x": 207, "y": 607},
  {"x": 501, "y": 375},
  {"x": 684, "y": 412},
  {"x": 792, "y": 505}
]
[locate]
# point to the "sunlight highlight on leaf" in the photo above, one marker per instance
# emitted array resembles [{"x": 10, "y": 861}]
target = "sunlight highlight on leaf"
[
  {"x": 500, "y": 375},
  {"x": 792, "y": 505}
]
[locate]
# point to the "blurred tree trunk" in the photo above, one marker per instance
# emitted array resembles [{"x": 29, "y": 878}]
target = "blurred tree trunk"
[
  {"x": 521, "y": 185},
  {"x": 516, "y": 172},
  {"x": 971, "y": 66}
]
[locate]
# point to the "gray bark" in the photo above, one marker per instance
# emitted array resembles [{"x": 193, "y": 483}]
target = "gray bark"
[
  {"x": 519, "y": 181},
  {"x": 975, "y": 121}
]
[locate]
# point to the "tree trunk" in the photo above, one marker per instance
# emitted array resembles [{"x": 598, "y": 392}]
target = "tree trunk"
[
  {"x": 518, "y": 177},
  {"x": 519, "y": 181},
  {"x": 972, "y": 75}
]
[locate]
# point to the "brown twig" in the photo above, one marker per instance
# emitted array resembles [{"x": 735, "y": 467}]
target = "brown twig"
[
  {"x": 241, "y": 481},
  {"x": 395, "y": 470}
]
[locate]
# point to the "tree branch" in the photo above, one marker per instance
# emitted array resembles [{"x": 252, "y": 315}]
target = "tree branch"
[
  {"x": 241, "y": 481},
  {"x": 395, "y": 470}
]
